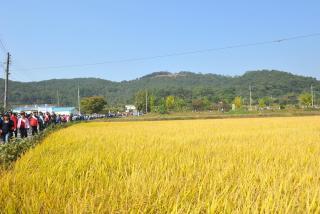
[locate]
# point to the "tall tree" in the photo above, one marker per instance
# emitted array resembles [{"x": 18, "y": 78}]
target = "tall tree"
[
  {"x": 170, "y": 102},
  {"x": 238, "y": 102},
  {"x": 305, "y": 99},
  {"x": 152, "y": 101},
  {"x": 262, "y": 102},
  {"x": 197, "y": 104},
  {"x": 180, "y": 104},
  {"x": 90, "y": 105}
]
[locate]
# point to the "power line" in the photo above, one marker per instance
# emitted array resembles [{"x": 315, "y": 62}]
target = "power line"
[
  {"x": 13, "y": 64},
  {"x": 20, "y": 70},
  {"x": 178, "y": 53}
]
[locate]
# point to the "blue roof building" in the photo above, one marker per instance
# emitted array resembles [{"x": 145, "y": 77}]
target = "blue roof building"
[{"x": 47, "y": 108}]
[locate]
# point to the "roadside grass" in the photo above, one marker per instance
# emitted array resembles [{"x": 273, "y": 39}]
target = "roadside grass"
[
  {"x": 189, "y": 115},
  {"x": 12, "y": 151}
]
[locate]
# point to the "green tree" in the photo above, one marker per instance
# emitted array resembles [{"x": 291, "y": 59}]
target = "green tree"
[
  {"x": 197, "y": 104},
  {"x": 140, "y": 101},
  {"x": 180, "y": 104},
  {"x": 262, "y": 103},
  {"x": 305, "y": 99},
  {"x": 268, "y": 101},
  {"x": 170, "y": 102},
  {"x": 90, "y": 105},
  {"x": 152, "y": 101},
  {"x": 114, "y": 108},
  {"x": 238, "y": 102},
  {"x": 206, "y": 103},
  {"x": 162, "y": 109}
]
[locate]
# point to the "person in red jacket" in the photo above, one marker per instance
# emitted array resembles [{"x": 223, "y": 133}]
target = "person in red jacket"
[
  {"x": 14, "y": 118},
  {"x": 33, "y": 120}
]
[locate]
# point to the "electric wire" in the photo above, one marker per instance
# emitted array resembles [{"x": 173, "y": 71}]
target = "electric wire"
[{"x": 199, "y": 51}]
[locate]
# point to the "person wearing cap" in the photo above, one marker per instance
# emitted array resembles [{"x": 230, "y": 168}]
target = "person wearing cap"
[
  {"x": 6, "y": 128},
  {"x": 23, "y": 125}
]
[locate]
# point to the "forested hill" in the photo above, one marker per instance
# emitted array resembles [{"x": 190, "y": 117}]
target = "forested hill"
[{"x": 187, "y": 85}]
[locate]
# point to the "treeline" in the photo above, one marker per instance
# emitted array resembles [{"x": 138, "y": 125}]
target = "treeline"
[
  {"x": 163, "y": 102},
  {"x": 146, "y": 101}
]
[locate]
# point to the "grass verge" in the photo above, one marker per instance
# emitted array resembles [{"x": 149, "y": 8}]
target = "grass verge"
[
  {"x": 12, "y": 151},
  {"x": 214, "y": 115}
]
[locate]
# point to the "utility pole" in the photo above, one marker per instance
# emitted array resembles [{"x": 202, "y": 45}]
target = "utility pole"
[
  {"x": 250, "y": 99},
  {"x": 312, "y": 97},
  {"x": 79, "y": 100},
  {"x": 146, "y": 101},
  {"x": 58, "y": 97},
  {"x": 6, "y": 83}
]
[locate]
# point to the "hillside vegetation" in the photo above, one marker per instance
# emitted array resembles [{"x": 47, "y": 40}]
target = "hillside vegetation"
[{"x": 186, "y": 85}]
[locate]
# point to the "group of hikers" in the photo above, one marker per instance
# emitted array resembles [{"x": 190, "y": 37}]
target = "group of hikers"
[{"x": 13, "y": 124}]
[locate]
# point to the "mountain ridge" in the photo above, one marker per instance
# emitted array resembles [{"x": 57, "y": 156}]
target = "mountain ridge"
[{"x": 182, "y": 84}]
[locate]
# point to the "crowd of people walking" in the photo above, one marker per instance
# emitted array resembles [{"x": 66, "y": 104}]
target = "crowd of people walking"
[{"x": 13, "y": 125}]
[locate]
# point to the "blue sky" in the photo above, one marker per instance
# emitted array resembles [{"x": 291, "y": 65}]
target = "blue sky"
[{"x": 54, "y": 33}]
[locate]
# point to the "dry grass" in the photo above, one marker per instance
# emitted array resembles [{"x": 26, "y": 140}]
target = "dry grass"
[{"x": 233, "y": 165}]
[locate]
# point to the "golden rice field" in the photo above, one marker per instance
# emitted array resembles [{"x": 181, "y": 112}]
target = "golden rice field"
[{"x": 198, "y": 166}]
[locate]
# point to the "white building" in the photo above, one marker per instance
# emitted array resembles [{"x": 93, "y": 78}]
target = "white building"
[{"x": 130, "y": 108}]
